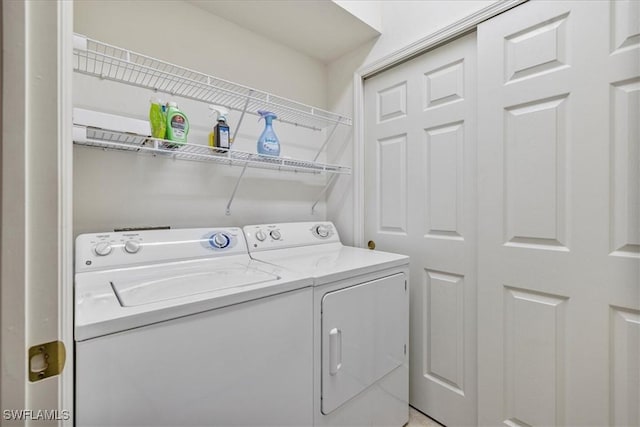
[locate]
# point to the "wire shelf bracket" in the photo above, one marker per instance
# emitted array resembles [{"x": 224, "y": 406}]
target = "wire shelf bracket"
[
  {"x": 324, "y": 190},
  {"x": 244, "y": 110},
  {"x": 326, "y": 141},
  {"x": 235, "y": 190}
]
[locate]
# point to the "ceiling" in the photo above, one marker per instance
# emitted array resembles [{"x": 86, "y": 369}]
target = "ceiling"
[{"x": 318, "y": 28}]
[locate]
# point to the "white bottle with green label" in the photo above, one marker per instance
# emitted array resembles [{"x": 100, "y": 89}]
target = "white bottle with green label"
[{"x": 177, "y": 125}]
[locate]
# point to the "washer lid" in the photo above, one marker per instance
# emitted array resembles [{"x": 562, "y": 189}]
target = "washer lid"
[
  {"x": 136, "y": 288},
  {"x": 110, "y": 301}
]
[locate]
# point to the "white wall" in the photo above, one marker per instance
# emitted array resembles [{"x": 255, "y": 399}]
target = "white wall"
[
  {"x": 403, "y": 22},
  {"x": 182, "y": 33},
  {"x": 368, "y": 11},
  {"x": 114, "y": 189}
]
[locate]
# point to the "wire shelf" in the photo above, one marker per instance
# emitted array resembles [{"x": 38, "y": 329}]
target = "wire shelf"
[
  {"x": 113, "y": 63},
  {"x": 115, "y": 140}
]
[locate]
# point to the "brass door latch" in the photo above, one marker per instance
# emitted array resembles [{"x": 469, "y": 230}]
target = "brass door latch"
[{"x": 46, "y": 360}]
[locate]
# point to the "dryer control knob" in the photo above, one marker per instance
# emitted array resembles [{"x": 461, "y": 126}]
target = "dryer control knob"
[
  {"x": 322, "y": 231},
  {"x": 219, "y": 241},
  {"x": 260, "y": 235},
  {"x": 103, "y": 248},
  {"x": 275, "y": 234},
  {"x": 132, "y": 246}
]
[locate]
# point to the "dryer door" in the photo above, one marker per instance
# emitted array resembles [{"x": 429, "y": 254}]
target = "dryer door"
[{"x": 364, "y": 337}]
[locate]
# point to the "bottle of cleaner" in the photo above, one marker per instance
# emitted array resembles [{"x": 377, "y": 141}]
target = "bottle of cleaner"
[
  {"x": 268, "y": 142},
  {"x": 220, "y": 135},
  {"x": 157, "y": 119},
  {"x": 177, "y": 125}
]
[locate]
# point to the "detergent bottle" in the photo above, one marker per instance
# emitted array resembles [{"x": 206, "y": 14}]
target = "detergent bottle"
[
  {"x": 157, "y": 119},
  {"x": 268, "y": 142},
  {"x": 177, "y": 125},
  {"x": 220, "y": 136}
]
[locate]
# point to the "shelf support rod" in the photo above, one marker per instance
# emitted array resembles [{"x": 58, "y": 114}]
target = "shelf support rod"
[
  {"x": 233, "y": 138},
  {"x": 244, "y": 110},
  {"x": 324, "y": 190},
  {"x": 326, "y": 141},
  {"x": 235, "y": 189}
]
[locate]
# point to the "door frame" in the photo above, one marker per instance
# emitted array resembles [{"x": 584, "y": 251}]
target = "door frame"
[
  {"x": 20, "y": 311},
  {"x": 448, "y": 33},
  {"x": 65, "y": 205}
]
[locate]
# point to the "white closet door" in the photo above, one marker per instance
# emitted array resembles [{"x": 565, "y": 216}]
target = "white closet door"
[
  {"x": 420, "y": 194},
  {"x": 559, "y": 216}
]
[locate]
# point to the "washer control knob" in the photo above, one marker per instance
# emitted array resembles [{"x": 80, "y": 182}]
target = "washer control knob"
[
  {"x": 103, "y": 248},
  {"x": 260, "y": 235},
  {"x": 322, "y": 231},
  {"x": 275, "y": 234},
  {"x": 219, "y": 240},
  {"x": 132, "y": 246}
]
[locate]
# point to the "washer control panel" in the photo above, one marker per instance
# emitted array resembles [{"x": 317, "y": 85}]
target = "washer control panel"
[
  {"x": 275, "y": 234},
  {"x": 290, "y": 234},
  {"x": 132, "y": 246},
  {"x": 120, "y": 249},
  {"x": 323, "y": 231},
  {"x": 220, "y": 240}
]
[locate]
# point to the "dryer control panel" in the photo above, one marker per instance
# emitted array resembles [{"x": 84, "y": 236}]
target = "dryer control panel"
[
  {"x": 120, "y": 249},
  {"x": 289, "y": 235}
]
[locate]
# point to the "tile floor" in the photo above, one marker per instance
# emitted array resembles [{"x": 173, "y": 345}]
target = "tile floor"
[{"x": 418, "y": 419}]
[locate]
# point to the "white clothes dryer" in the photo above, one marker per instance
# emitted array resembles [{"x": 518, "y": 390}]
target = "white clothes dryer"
[
  {"x": 361, "y": 321},
  {"x": 182, "y": 328}
]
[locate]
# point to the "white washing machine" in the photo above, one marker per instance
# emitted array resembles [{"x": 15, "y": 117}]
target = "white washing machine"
[
  {"x": 182, "y": 328},
  {"x": 361, "y": 321}
]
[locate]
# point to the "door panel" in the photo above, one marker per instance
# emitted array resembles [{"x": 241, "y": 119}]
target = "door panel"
[
  {"x": 392, "y": 183},
  {"x": 625, "y": 367},
  {"x": 360, "y": 339},
  {"x": 558, "y": 215},
  {"x": 535, "y": 178},
  {"x": 444, "y": 302},
  {"x": 444, "y": 163},
  {"x": 625, "y": 170},
  {"x": 534, "y": 375},
  {"x": 420, "y": 201}
]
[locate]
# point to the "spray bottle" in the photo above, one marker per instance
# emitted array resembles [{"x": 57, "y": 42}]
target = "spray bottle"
[
  {"x": 268, "y": 142},
  {"x": 220, "y": 137}
]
